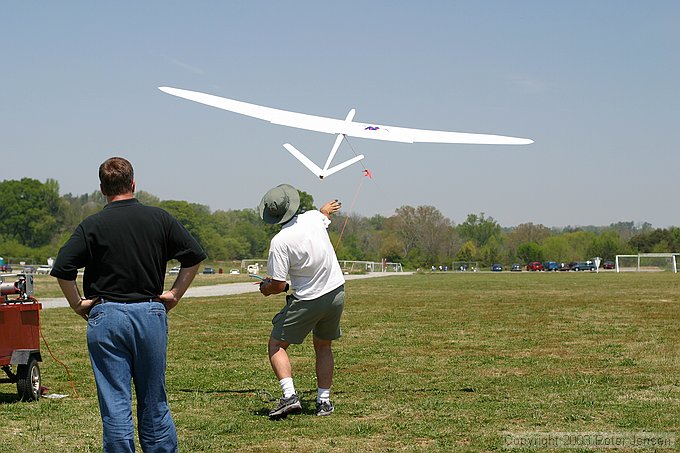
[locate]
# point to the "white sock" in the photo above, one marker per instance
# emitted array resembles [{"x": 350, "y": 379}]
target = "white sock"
[
  {"x": 323, "y": 395},
  {"x": 287, "y": 386}
]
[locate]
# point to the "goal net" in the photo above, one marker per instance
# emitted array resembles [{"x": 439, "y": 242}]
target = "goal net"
[
  {"x": 349, "y": 266},
  {"x": 463, "y": 266},
  {"x": 647, "y": 262}
]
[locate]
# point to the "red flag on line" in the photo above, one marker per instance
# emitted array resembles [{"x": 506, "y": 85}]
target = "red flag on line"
[{"x": 367, "y": 172}]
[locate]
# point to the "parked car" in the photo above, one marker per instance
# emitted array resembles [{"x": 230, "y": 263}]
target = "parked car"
[
  {"x": 234, "y": 271},
  {"x": 208, "y": 270},
  {"x": 516, "y": 268},
  {"x": 551, "y": 266},
  {"x": 496, "y": 268},
  {"x": 174, "y": 270},
  {"x": 583, "y": 266},
  {"x": 565, "y": 267},
  {"x": 535, "y": 266},
  {"x": 609, "y": 265}
]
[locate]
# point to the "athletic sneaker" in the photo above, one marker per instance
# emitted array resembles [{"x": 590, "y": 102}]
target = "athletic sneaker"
[
  {"x": 324, "y": 408},
  {"x": 290, "y": 405}
]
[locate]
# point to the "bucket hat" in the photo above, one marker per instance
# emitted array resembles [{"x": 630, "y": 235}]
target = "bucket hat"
[{"x": 279, "y": 204}]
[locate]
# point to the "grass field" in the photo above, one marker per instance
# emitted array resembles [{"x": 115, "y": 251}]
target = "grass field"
[{"x": 444, "y": 362}]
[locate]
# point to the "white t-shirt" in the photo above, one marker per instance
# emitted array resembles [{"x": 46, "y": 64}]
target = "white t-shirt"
[{"x": 303, "y": 250}]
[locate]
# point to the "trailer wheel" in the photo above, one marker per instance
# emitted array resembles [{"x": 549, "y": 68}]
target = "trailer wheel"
[{"x": 28, "y": 383}]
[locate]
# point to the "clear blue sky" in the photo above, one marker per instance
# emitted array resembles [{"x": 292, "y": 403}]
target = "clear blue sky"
[{"x": 594, "y": 83}]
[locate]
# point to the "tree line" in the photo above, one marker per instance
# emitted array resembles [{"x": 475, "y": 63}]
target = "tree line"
[{"x": 35, "y": 221}]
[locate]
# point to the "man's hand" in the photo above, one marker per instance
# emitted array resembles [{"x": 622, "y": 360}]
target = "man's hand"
[
  {"x": 83, "y": 307},
  {"x": 330, "y": 208},
  {"x": 268, "y": 286},
  {"x": 80, "y": 305},
  {"x": 171, "y": 297}
]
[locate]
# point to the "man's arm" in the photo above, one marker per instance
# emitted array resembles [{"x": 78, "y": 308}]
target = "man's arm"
[
  {"x": 79, "y": 304},
  {"x": 171, "y": 297},
  {"x": 270, "y": 286}
]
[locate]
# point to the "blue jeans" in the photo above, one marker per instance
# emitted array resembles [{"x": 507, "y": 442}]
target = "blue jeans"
[{"x": 128, "y": 342}]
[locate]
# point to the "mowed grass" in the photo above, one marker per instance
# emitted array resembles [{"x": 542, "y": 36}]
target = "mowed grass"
[{"x": 428, "y": 362}]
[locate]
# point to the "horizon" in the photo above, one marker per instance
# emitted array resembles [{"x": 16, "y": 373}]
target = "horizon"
[{"x": 487, "y": 216}]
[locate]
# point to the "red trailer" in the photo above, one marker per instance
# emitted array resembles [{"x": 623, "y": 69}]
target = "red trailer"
[{"x": 20, "y": 335}]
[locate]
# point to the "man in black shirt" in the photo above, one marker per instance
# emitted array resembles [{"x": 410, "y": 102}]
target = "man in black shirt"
[{"x": 124, "y": 250}]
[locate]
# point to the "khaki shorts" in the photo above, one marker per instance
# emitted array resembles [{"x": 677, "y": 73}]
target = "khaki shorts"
[{"x": 299, "y": 317}]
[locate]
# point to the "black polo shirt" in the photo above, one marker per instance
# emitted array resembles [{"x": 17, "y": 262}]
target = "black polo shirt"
[{"x": 125, "y": 249}]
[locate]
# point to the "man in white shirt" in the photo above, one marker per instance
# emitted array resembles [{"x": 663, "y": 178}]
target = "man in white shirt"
[{"x": 303, "y": 250}]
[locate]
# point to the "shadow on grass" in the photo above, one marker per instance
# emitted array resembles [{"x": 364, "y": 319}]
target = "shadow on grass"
[
  {"x": 9, "y": 398},
  {"x": 307, "y": 409},
  {"x": 250, "y": 392}
]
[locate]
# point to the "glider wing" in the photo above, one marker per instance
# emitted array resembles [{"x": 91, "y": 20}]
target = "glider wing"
[
  {"x": 274, "y": 116},
  {"x": 349, "y": 128}
]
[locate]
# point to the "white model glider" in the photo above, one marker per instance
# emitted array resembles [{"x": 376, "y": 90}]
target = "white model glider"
[{"x": 341, "y": 128}]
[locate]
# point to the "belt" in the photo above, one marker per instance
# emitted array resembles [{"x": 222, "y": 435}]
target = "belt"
[{"x": 106, "y": 301}]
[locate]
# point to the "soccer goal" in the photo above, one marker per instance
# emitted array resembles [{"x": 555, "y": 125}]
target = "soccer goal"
[
  {"x": 349, "y": 266},
  {"x": 647, "y": 262},
  {"x": 463, "y": 266}
]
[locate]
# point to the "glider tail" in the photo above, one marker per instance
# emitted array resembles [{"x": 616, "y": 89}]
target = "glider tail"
[
  {"x": 318, "y": 171},
  {"x": 305, "y": 161}
]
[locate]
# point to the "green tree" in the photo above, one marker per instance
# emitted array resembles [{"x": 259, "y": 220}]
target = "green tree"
[
  {"x": 306, "y": 201},
  {"x": 434, "y": 228},
  {"x": 491, "y": 252},
  {"x": 527, "y": 232},
  {"x": 29, "y": 211},
  {"x": 468, "y": 252},
  {"x": 579, "y": 243},
  {"x": 354, "y": 238},
  {"x": 557, "y": 248},
  {"x": 657, "y": 241},
  {"x": 479, "y": 229},
  {"x": 391, "y": 249},
  {"x": 147, "y": 198},
  {"x": 423, "y": 232},
  {"x": 194, "y": 217},
  {"x": 239, "y": 234},
  {"x": 530, "y": 251},
  {"x": 451, "y": 243},
  {"x": 607, "y": 246},
  {"x": 404, "y": 224}
]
